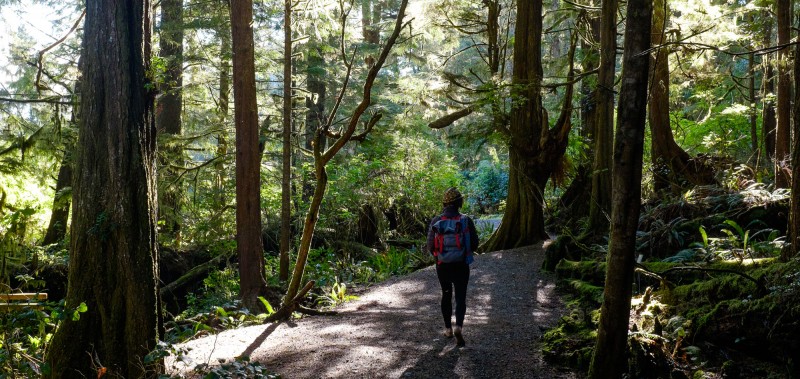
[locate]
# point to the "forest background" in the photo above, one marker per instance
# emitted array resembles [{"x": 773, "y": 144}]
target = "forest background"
[{"x": 444, "y": 111}]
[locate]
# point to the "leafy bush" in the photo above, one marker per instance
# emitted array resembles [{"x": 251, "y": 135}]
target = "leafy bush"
[{"x": 487, "y": 187}]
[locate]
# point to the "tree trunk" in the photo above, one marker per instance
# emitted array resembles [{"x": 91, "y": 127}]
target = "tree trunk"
[
  {"x": 782, "y": 134},
  {"x": 609, "y": 358},
  {"x": 57, "y": 228},
  {"x": 370, "y": 17},
  {"x": 224, "y": 34},
  {"x": 248, "y": 195},
  {"x": 794, "y": 207},
  {"x": 751, "y": 69},
  {"x": 286, "y": 191},
  {"x": 672, "y": 166},
  {"x": 574, "y": 199},
  {"x": 113, "y": 249},
  {"x": 534, "y": 150},
  {"x": 600, "y": 203},
  {"x": 768, "y": 113},
  {"x": 321, "y": 159},
  {"x": 168, "y": 115}
]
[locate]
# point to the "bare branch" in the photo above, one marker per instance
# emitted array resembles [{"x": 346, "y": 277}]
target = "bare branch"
[
  {"x": 54, "y": 44},
  {"x": 368, "y": 128}
]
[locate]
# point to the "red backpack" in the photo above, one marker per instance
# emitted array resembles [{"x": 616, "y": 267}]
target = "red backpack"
[{"x": 451, "y": 239}]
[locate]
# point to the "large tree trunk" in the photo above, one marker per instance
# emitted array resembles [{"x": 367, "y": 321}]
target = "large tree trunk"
[
  {"x": 600, "y": 203},
  {"x": 113, "y": 249},
  {"x": 168, "y": 115},
  {"x": 782, "y": 134},
  {"x": 248, "y": 179},
  {"x": 57, "y": 228},
  {"x": 534, "y": 150},
  {"x": 672, "y": 166},
  {"x": 523, "y": 221},
  {"x": 286, "y": 191},
  {"x": 609, "y": 358}
]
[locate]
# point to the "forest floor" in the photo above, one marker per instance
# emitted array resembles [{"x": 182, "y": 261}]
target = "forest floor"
[{"x": 394, "y": 330}]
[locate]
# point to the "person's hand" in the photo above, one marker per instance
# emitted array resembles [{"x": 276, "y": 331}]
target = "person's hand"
[{"x": 470, "y": 259}]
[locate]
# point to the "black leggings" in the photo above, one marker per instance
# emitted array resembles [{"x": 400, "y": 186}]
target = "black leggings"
[{"x": 453, "y": 275}]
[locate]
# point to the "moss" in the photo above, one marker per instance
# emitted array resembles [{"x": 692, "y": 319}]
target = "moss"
[
  {"x": 571, "y": 342},
  {"x": 587, "y": 291},
  {"x": 589, "y": 271}
]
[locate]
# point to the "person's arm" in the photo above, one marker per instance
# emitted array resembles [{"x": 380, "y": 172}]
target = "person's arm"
[
  {"x": 473, "y": 236},
  {"x": 429, "y": 245}
]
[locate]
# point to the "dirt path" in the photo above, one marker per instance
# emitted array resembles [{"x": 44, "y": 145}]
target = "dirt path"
[{"x": 394, "y": 330}]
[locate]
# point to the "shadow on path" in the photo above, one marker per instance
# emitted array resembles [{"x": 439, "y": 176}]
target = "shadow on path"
[{"x": 395, "y": 329}]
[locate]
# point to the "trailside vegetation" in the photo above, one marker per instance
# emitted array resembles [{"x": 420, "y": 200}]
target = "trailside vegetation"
[{"x": 172, "y": 169}]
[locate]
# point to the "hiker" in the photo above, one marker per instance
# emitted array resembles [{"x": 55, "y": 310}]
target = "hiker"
[{"x": 452, "y": 239}]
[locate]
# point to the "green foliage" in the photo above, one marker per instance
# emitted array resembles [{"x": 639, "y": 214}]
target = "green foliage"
[
  {"x": 25, "y": 335},
  {"x": 13, "y": 235},
  {"x": 393, "y": 262},
  {"x": 487, "y": 187},
  {"x": 405, "y": 172},
  {"x": 335, "y": 295}
]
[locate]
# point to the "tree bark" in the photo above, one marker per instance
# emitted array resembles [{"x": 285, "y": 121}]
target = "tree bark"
[
  {"x": 782, "y": 133},
  {"x": 286, "y": 191},
  {"x": 57, "y": 228},
  {"x": 793, "y": 229},
  {"x": 248, "y": 195},
  {"x": 113, "y": 249},
  {"x": 534, "y": 149},
  {"x": 370, "y": 17},
  {"x": 168, "y": 114},
  {"x": 224, "y": 35},
  {"x": 609, "y": 358},
  {"x": 751, "y": 69},
  {"x": 672, "y": 166},
  {"x": 600, "y": 204},
  {"x": 768, "y": 113}
]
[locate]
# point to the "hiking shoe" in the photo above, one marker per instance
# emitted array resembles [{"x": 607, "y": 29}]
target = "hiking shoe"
[
  {"x": 459, "y": 337},
  {"x": 448, "y": 332}
]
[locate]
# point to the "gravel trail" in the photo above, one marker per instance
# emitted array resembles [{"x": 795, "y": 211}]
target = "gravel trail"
[{"x": 394, "y": 330}]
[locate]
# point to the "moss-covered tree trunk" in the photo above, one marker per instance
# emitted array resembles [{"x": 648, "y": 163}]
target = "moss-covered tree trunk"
[
  {"x": 672, "y": 165},
  {"x": 782, "y": 132},
  {"x": 248, "y": 157},
  {"x": 768, "y": 82},
  {"x": 534, "y": 148},
  {"x": 113, "y": 250},
  {"x": 610, "y": 355}
]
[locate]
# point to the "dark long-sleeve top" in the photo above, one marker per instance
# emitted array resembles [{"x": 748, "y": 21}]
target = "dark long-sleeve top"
[{"x": 452, "y": 211}]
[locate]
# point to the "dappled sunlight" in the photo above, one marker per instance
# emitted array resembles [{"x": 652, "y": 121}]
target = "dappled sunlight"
[{"x": 395, "y": 328}]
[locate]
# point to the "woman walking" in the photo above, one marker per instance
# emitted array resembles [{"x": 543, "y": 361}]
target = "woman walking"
[{"x": 452, "y": 239}]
